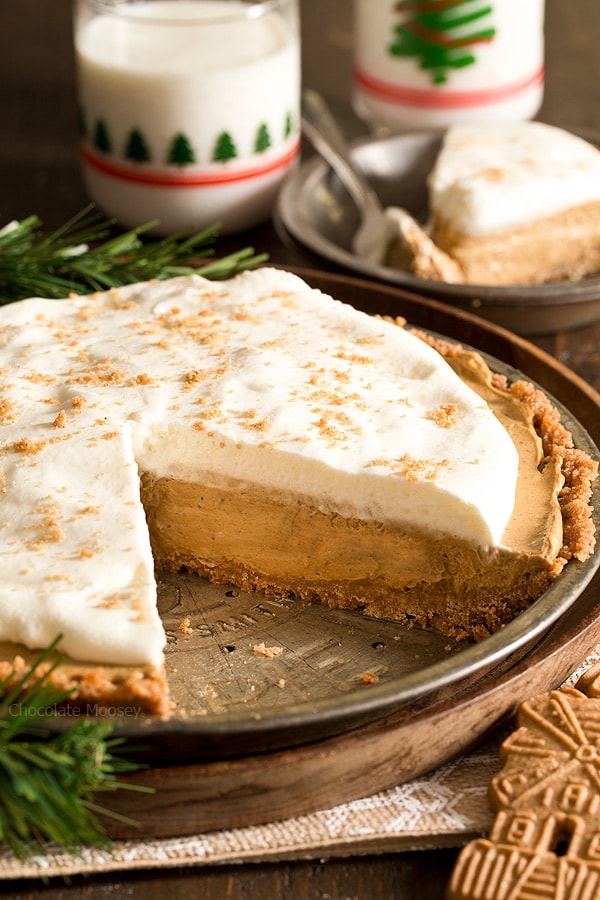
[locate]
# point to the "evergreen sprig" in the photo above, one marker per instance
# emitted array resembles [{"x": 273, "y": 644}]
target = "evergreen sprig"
[
  {"x": 81, "y": 256},
  {"x": 48, "y": 780}
]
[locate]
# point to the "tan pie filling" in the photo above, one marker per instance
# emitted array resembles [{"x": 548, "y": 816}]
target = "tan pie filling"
[
  {"x": 237, "y": 533},
  {"x": 565, "y": 246}
]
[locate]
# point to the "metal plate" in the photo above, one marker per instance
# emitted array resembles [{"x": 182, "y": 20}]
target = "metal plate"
[
  {"x": 234, "y": 699},
  {"x": 315, "y": 209}
]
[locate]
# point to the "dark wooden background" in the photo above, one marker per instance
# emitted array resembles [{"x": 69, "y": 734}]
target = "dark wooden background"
[{"x": 39, "y": 174}]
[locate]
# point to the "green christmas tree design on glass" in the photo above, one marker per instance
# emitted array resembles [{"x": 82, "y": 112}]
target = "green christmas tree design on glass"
[
  {"x": 289, "y": 125},
  {"x": 181, "y": 152},
  {"x": 441, "y": 33},
  {"x": 102, "y": 139},
  {"x": 137, "y": 149},
  {"x": 263, "y": 139},
  {"x": 224, "y": 148}
]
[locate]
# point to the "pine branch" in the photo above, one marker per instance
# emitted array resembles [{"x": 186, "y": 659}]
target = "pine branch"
[
  {"x": 81, "y": 257},
  {"x": 48, "y": 780}
]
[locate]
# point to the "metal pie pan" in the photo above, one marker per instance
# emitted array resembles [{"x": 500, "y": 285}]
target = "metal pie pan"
[
  {"x": 314, "y": 209},
  {"x": 254, "y": 672}
]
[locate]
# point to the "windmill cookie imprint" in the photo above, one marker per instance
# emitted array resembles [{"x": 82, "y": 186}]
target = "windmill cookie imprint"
[{"x": 545, "y": 840}]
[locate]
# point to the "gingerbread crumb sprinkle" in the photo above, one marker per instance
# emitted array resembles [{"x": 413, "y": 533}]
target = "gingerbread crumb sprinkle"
[
  {"x": 7, "y": 412},
  {"x": 185, "y": 626},
  {"x": 28, "y": 447},
  {"x": 445, "y": 415},
  {"x": 268, "y": 652}
]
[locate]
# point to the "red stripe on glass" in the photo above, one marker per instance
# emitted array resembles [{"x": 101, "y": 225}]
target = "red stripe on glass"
[
  {"x": 440, "y": 98},
  {"x": 161, "y": 177}
]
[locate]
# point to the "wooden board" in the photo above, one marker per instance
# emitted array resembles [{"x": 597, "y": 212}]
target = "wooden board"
[{"x": 265, "y": 786}]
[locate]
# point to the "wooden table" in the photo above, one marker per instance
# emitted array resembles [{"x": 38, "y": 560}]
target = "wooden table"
[{"x": 39, "y": 174}]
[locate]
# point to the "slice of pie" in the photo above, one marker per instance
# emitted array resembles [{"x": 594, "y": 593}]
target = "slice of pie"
[
  {"x": 517, "y": 203},
  {"x": 258, "y": 432}
]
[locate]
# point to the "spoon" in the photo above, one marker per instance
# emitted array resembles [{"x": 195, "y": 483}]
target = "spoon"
[
  {"x": 324, "y": 133},
  {"x": 388, "y": 236}
]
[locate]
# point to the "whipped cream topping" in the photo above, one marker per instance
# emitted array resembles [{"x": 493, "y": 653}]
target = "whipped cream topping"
[
  {"x": 259, "y": 379},
  {"x": 492, "y": 177}
]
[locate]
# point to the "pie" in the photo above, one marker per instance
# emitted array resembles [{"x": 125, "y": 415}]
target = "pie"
[
  {"x": 509, "y": 204},
  {"x": 260, "y": 433}
]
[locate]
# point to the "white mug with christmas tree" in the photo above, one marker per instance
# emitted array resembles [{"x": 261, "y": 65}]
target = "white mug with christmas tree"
[
  {"x": 189, "y": 109},
  {"x": 431, "y": 63}
]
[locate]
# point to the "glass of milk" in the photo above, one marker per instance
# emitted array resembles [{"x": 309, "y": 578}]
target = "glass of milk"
[
  {"x": 189, "y": 109},
  {"x": 432, "y": 63}
]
